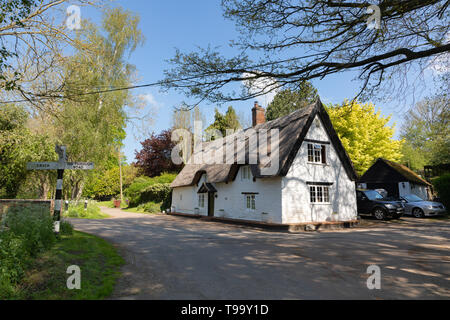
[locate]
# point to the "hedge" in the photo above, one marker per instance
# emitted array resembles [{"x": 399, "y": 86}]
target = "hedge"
[
  {"x": 442, "y": 186},
  {"x": 156, "y": 193}
]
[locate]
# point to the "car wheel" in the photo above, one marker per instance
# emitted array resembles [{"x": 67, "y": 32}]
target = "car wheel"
[
  {"x": 418, "y": 213},
  {"x": 379, "y": 214}
]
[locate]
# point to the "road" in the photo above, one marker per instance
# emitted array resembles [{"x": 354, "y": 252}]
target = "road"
[{"x": 183, "y": 258}]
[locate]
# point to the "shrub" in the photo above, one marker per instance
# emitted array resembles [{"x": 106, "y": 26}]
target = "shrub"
[
  {"x": 23, "y": 234},
  {"x": 140, "y": 184},
  {"x": 442, "y": 186},
  {"x": 78, "y": 211},
  {"x": 66, "y": 228},
  {"x": 150, "y": 207}
]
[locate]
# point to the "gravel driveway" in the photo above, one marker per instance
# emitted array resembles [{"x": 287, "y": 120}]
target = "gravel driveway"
[{"x": 182, "y": 258}]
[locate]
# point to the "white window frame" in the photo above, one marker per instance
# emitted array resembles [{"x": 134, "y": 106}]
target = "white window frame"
[
  {"x": 319, "y": 194},
  {"x": 250, "y": 202},
  {"x": 314, "y": 153},
  {"x": 201, "y": 200}
]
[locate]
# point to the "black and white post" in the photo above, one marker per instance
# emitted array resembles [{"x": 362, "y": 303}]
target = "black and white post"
[{"x": 60, "y": 166}]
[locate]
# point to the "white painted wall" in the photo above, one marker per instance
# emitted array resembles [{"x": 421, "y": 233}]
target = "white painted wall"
[
  {"x": 231, "y": 202},
  {"x": 295, "y": 192},
  {"x": 406, "y": 188}
]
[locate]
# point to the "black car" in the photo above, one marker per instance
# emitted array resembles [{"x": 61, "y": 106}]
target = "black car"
[{"x": 370, "y": 202}]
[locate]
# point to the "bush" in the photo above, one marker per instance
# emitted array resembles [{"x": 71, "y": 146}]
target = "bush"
[
  {"x": 23, "y": 235},
  {"x": 145, "y": 189},
  {"x": 92, "y": 212},
  {"x": 150, "y": 207},
  {"x": 66, "y": 228},
  {"x": 442, "y": 186}
]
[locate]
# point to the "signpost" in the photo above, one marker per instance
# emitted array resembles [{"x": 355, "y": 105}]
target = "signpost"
[{"x": 61, "y": 165}]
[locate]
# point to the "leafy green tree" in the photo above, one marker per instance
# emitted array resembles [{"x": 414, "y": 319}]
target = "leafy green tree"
[
  {"x": 93, "y": 127},
  {"x": 364, "y": 134},
  {"x": 287, "y": 101},
  {"x": 427, "y": 130},
  {"x": 106, "y": 184},
  {"x": 222, "y": 122},
  {"x": 18, "y": 145}
]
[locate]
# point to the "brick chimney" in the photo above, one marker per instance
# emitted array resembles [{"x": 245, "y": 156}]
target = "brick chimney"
[{"x": 258, "y": 115}]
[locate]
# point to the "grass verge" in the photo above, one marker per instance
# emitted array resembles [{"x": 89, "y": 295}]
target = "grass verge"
[
  {"x": 46, "y": 277},
  {"x": 92, "y": 212}
]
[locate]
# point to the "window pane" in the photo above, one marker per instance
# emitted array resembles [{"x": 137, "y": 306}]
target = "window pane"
[
  {"x": 326, "y": 195},
  {"x": 312, "y": 192},
  {"x": 248, "y": 202},
  {"x": 319, "y": 194},
  {"x": 253, "y": 202},
  {"x": 310, "y": 153}
]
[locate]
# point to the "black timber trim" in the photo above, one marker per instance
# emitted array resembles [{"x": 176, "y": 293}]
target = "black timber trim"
[
  {"x": 317, "y": 141},
  {"x": 320, "y": 183},
  {"x": 334, "y": 138},
  {"x": 253, "y": 193}
]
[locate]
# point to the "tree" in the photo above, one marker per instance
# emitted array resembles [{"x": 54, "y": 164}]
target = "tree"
[
  {"x": 32, "y": 36},
  {"x": 287, "y": 101},
  {"x": 107, "y": 183},
  {"x": 287, "y": 42},
  {"x": 222, "y": 122},
  {"x": 155, "y": 156},
  {"x": 364, "y": 134},
  {"x": 426, "y": 130},
  {"x": 18, "y": 145}
]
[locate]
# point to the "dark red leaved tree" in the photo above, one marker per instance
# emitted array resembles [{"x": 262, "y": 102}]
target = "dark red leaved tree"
[{"x": 155, "y": 156}]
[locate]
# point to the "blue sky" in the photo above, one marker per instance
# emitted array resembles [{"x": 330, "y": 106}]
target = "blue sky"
[{"x": 179, "y": 24}]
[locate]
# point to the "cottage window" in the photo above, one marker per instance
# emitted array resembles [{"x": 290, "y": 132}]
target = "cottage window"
[
  {"x": 251, "y": 202},
  {"x": 316, "y": 153},
  {"x": 201, "y": 200},
  {"x": 245, "y": 173},
  {"x": 319, "y": 194}
]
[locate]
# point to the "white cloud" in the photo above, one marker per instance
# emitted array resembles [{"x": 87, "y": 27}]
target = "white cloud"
[{"x": 149, "y": 100}]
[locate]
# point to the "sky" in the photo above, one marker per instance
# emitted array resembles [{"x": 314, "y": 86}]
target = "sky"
[{"x": 172, "y": 24}]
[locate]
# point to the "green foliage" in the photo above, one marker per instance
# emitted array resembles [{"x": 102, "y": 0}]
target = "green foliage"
[
  {"x": 18, "y": 145},
  {"x": 426, "y": 130},
  {"x": 134, "y": 191},
  {"x": 78, "y": 211},
  {"x": 23, "y": 235},
  {"x": 159, "y": 192},
  {"x": 66, "y": 228},
  {"x": 442, "y": 186},
  {"x": 222, "y": 122},
  {"x": 150, "y": 207},
  {"x": 365, "y": 134},
  {"x": 287, "y": 101},
  {"x": 107, "y": 183}
]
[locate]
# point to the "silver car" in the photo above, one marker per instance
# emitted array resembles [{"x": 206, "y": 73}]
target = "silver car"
[{"x": 420, "y": 208}]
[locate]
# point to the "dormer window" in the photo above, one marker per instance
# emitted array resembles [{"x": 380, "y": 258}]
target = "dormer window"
[
  {"x": 317, "y": 153},
  {"x": 246, "y": 173}
]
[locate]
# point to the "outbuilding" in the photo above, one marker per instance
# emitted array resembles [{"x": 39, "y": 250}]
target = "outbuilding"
[{"x": 397, "y": 179}]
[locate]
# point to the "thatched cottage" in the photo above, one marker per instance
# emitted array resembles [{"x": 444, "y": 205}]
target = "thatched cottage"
[{"x": 314, "y": 181}]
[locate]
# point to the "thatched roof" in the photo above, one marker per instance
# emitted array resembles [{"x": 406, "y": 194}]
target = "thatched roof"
[{"x": 292, "y": 130}]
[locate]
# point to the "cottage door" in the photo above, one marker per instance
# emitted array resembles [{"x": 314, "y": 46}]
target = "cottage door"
[{"x": 210, "y": 204}]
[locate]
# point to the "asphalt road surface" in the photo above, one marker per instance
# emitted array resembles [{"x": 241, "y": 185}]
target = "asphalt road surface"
[{"x": 183, "y": 258}]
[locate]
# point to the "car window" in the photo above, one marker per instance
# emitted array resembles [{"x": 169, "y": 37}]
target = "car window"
[
  {"x": 412, "y": 198},
  {"x": 373, "y": 195}
]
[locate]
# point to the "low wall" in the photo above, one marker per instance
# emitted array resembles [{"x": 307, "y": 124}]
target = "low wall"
[{"x": 39, "y": 205}]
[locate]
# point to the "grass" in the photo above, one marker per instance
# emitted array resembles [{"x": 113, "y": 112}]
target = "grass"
[
  {"x": 147, "y": 208},
  {"x": 98, "y": 260},
  {"x": 92, "y": 212}
]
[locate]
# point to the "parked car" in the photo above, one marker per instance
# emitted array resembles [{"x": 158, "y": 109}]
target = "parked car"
[
  {"x": 420, "y": 208},
  {"x": 371, "y": 202}
]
